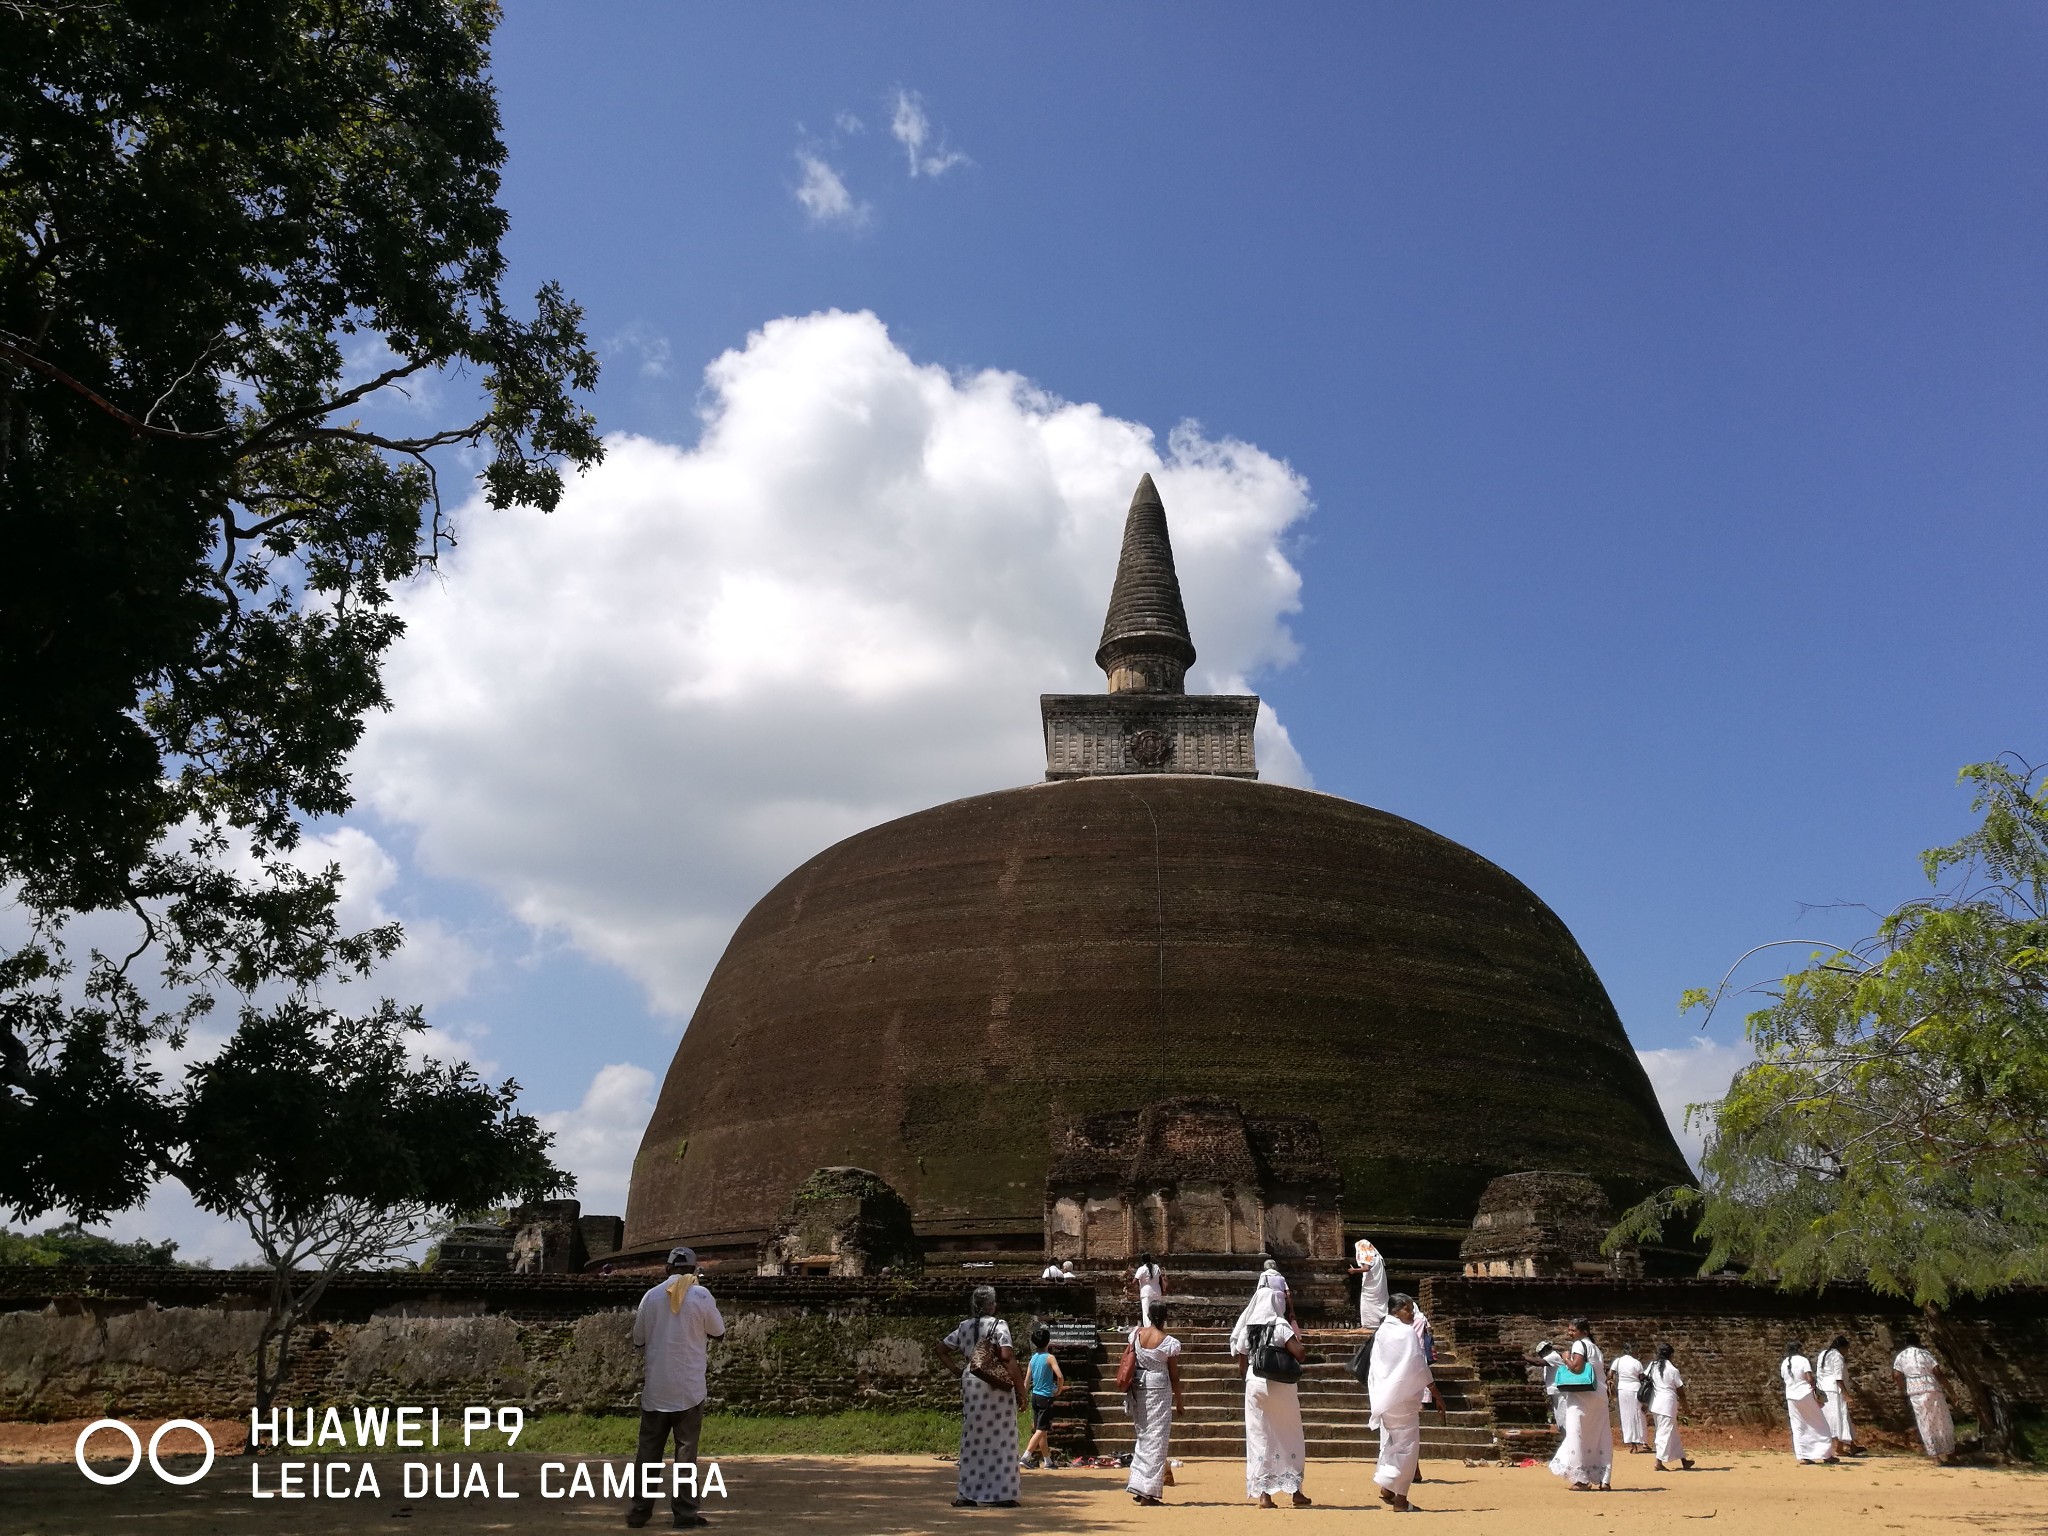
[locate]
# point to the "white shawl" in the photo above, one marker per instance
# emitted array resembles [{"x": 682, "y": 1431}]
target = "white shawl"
[{"x": 1398, "y": 1375}]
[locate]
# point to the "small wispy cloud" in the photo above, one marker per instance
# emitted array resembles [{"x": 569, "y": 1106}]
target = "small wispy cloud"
[
  {"x": 849, "y": 125},
  {"x": 823, "y": 194},
  {"x": 649, "y": 344},
  {"x": 913, "y": 130}
]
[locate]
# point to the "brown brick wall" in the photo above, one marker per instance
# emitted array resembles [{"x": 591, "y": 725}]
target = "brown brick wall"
[{"x": 144, "y": 1343}]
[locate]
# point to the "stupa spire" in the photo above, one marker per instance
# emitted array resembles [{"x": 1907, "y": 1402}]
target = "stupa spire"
[{"x": 1145, "y": 646}]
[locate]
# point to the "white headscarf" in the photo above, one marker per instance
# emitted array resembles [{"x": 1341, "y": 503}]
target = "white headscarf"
[
  {"x": 1271, "y": 1278},
  {"x": 1265, "y": 1307}
]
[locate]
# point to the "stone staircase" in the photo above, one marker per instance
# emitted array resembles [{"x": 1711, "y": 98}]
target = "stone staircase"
[
  {"x": 1503, "y": 1380},
  {"x": 1333, "y": 1404},
  {"x": 1215, "y": 1293}
]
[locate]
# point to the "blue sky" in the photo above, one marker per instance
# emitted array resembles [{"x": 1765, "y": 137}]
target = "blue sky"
[{"x": 1668, "y": 383}]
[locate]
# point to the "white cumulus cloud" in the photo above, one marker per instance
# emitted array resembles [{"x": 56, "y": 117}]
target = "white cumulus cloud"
[
  {"x": 631, "y": 717},
  {"x": 597, "y": 1139},
  {"x": 823, "y": 194},
  {"x": 1697, "y": 1073},
  {"x": 913, "y": 130}
]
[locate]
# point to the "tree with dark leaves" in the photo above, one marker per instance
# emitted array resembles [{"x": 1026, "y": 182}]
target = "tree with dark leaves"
[
  {"x": 236, "y": 239},
  {"x": 336, "y": 1149}
]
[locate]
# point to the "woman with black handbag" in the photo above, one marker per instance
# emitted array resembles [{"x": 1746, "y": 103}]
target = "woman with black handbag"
[{"x": 1269, "y": 1351}]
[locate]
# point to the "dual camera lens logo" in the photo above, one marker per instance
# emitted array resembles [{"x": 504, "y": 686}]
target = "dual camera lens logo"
[{"x": 135, "y": 1452}]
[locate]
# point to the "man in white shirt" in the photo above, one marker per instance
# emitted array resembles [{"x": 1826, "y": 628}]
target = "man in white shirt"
[
  {"x": 673, "y": 1328},
  {"x": 1058, "y": 1272}
]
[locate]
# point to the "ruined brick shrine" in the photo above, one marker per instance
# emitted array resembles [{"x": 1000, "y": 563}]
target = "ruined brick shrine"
[{"x": 1149, "y": 1003}]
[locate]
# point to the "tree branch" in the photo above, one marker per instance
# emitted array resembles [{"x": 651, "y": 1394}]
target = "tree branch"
[{"x": 135, "y": 424}]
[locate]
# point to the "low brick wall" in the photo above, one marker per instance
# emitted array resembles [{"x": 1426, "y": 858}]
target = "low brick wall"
[
  {"x": 77, "y": 1342},
  {"x": 1728, "y": 1337}
]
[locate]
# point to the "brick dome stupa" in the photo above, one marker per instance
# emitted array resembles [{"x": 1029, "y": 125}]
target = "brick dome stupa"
[{"x": 1148, "y": 1003}]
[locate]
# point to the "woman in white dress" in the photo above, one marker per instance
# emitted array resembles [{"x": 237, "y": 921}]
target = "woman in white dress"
[
  {"x": 1625, "y": 1374},
  {"x": 1585, "y": 1459},
  {"x": 1371, "y": 1268},
  {"x": 1831, "y": 1375},
  {"x": 1667, "y": 1401},
  {"x": 1275, "y": 1445},
  {"x": 1926, "y": 1390},
  {"x": 988, "y": 1414},
  {"x": 1811, "y": 1442},
  {"x": 1153, "y": 1400}
]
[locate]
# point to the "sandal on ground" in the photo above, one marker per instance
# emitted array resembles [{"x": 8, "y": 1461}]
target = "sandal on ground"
[
  {"x": 1145, "y": 1498},
  {"x": 1302, "y": 1501},
  {"x": 965, "y": 1504},
  {"x": 1266, "y": 1501},
  {"x": 1685, "y": 1465}
]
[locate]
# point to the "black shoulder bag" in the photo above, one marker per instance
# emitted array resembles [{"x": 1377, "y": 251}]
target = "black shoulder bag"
[{"x": 1273, "y": 1361}]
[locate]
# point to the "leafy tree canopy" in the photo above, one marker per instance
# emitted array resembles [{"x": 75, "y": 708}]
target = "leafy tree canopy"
[
  {"x": 235, "y": 237},
  {"x": 70, "y": 1243},
  {"x": 336, "y": 1148},
  {"x": 1893, "y": 1128}
]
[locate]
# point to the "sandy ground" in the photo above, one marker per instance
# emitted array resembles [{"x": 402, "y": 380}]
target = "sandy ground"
[{"x": 1742, "y": 1492}]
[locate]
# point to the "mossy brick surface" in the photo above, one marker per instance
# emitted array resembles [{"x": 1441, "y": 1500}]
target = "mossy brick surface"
[{"x": 930, "y": 998}]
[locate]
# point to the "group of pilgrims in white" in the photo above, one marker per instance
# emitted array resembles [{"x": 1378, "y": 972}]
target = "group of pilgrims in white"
[{"x": 1394, "y": 1364}]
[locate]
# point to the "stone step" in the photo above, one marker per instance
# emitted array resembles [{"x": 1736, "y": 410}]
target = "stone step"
[
  {"x": 1315, "y": 1408},
  {"x": 1319, "y": 1446},
  {"x": 1312, "y": 1370},
  {"x": 1221, "y": 1410}
]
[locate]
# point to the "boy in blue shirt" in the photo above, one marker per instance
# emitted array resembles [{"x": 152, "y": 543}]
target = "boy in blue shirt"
[{"x": 1046, "y": 1381}]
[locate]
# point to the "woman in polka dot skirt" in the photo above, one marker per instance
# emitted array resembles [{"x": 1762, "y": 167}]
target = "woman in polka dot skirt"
[{"x": 988, "y": 1414}]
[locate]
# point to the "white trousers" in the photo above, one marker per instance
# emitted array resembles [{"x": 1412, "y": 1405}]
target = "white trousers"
[
  {"x": 1631, "y": 1407},
  {"x": 1670, "y": 1448},
  {"x": 1836, "y": 1411},
  {"x": 1937, "y": 1425},
  {"x": 1400, "y": 1450},
  {"x": 1145, "y": 1300},
  {"x": 1810, "y": 1438}
]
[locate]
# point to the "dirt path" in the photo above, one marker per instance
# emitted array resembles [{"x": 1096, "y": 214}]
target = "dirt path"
[{"x": 1743, "y": 1494}]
